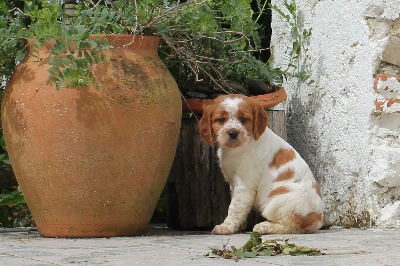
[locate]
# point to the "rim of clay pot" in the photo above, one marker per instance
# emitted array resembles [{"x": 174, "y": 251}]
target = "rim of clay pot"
[{"x": 266, "y": 101}]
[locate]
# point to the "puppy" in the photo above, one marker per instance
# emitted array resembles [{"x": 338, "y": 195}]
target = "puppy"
[{"x": 263, "y": 170}]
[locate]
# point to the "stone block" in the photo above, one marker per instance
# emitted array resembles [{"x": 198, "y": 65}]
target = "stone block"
[
  {"x": 374, "y": 11},
  {"x": 390, "y": 216},
  {"x": 391, "y": 52},
  {"x": 386, "y": 170},
  {"x": 395, "y": 28}
]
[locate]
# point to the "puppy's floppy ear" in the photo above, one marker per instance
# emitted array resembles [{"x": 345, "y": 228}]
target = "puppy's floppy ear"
[
  {"x": 205, "y": 125},
  {"x": 260, "y": 120}
]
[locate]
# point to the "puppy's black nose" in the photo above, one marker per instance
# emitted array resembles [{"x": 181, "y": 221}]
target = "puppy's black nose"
[{"x": 233, "y": 134}]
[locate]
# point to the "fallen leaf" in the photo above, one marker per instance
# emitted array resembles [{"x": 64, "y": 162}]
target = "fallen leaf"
[{"x": 256, "y": 247}]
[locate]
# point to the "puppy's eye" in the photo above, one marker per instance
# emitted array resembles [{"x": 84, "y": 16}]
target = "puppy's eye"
[
  {"x": 243, "y": 120},
  {"x": 221, "y": 120}
]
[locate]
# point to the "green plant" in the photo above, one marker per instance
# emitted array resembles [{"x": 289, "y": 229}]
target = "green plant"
[
  {"x": 13, "y": 209},
  {"x": 256, "y": 247},
  {"x": 300, "y": 38},
  {"x": 7, "y": 200},
  {"x": 202, "y": 40},
  {"x": 3, "y": 152}
]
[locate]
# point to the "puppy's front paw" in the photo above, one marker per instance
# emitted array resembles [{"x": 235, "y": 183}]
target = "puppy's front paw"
[{"x": 223, "y": 229}]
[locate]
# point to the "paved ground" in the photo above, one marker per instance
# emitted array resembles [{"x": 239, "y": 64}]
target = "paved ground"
[{"x": 167, "y": 247}]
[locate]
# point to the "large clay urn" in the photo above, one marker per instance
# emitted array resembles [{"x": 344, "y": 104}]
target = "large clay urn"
[{"x": 93, "y": 162}]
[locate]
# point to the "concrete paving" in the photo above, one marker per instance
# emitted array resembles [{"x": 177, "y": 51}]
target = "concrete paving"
[{"x": 167, "y": 247}]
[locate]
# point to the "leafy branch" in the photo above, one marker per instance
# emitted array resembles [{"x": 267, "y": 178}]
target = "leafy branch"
[
  {"x": 210, "y": 40},
  {"x": 300, "y": 37},
  {"x": 72, "y": 68},
  {"x": 13, "y": 209},
  {"x": 12, "y": 198},
  {"x": 3, "y": 152},
  {"x": 256, "y": 247}
]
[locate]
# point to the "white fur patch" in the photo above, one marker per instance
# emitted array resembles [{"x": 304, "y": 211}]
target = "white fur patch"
[{"x": 231, "y": 105}]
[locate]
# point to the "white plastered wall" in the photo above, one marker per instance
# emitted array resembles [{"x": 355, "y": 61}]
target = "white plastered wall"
[{"x": 352, "y": 148}]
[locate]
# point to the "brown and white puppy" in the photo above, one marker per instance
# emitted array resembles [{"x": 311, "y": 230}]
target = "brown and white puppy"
[{"x": 263, "y": 170}]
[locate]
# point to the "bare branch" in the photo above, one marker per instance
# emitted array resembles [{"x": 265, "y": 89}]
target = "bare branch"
[{"x": 17, "y": 9}]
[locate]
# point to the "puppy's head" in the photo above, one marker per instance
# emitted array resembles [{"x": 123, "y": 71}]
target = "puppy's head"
[{"x": 232, "y": 120}]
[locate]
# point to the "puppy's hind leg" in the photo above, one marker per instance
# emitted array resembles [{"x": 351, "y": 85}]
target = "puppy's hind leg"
[
  {"x": 288, "y": 215},
  {"x": 291, "y": 223},
  {"x": 268, "y": 227}
]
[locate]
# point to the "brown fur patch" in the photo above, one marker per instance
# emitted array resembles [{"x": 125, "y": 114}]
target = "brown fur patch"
[
  {"x": 282, "y": 157},
  {"x": 260, "y": 117},
  {"x": 278, "y": 191},
  {"x": 307, "y": 222},
  {"x": 246, "y": 112},
  {"x": 217, "y": 114},
  {"x": 316, "y": 187},
  {"x": 288, "y": 174}
]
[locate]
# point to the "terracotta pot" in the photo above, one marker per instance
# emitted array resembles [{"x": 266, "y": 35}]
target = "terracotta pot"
[
  {"x": 93, "y": 162},
  {"x": 266, "y": 100}
]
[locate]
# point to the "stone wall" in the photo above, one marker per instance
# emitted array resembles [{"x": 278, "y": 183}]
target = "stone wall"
[
  {"x": 347, "y": 123},
  {"x": 385, "y": 145}
]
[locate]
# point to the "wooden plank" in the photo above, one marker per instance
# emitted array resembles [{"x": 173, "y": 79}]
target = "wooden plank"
[{"x": 198, "y": 196}]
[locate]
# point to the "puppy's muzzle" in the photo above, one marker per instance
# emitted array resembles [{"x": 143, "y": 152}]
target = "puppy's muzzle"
[{"x": 233, "y": 134}]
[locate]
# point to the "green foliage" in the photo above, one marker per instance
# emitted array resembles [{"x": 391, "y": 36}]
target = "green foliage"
[
  {"x": 101, "y": 19},
  {"x": 12, "y": 29},
  {"x": 73, "y": 57},
  {"x": 210, "y": 40},
  {"x": 14, "y": 197},
  {"x": 219, "y": 39},
  {"x": 12, "y": 201},
  {"x": 3, "y": 152},
  {"x": 256, "y": 247},
  {"x": 300, "y": 38},
  {"x": 45, "y": 21},
  {"x": 13, "y": 209}
]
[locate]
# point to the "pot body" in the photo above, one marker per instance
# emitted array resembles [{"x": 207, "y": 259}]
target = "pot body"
[{"x": 93, "y": 162}]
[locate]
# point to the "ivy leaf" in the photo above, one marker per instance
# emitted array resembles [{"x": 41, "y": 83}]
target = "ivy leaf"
[
  {"x": 13, "y": 198},
  {"x": 266, "y": 252},
  {"x": 59, "y": 85},
  {"x": 20, "y": 56},
  {"x": 246, "y": 254},
  {"x": 256, "y": 238},
  {"x": 54, "y": 79},
  {"x": 290, "y": 251},
  {"x": 6, "y": 161},
  {"x": 3, "y": 142}
]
